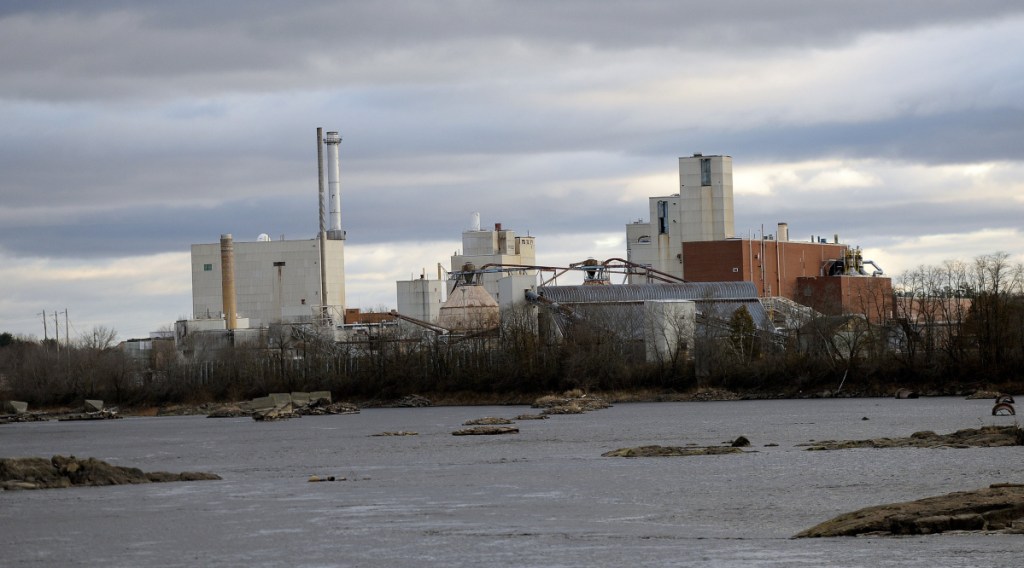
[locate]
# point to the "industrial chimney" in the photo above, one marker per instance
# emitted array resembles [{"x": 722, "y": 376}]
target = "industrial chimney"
[
  {"x": 333, "y": 141},
  {"x": 227, "y": 280}
]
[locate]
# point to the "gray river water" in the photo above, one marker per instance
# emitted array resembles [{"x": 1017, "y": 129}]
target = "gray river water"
[{"x": 543, "y": 497}]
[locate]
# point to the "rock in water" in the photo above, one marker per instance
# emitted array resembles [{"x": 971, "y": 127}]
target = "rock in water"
[
  {"x": 670, "y": 451},
  {"x": 486, "y": 431},
  {"x": 61, "y": 471},
  {"x": 999, "y": 507}
]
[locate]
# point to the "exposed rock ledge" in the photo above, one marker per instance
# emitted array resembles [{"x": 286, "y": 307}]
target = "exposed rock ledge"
[
  {"x": 671, "y": 451},
  {"x": 60, "y": 471},
  {"x": 998, "y": 508},
  {"x": 984, "y": 437}
]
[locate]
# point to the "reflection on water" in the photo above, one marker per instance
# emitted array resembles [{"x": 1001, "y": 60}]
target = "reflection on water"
[{"x": 543, "y": 497}]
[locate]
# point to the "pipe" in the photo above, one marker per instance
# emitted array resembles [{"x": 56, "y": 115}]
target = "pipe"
[
  {"x": 878, "y": 269},
  {"x": 227, "y": 280}
]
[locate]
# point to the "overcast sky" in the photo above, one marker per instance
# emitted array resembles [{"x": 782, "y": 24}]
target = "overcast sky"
[{"x": 132, "y": 129}]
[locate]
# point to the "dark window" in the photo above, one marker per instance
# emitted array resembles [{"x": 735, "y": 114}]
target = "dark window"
[
  {"x": 705, "y": 171},
  {"x": 279, "y": 263},
  {"x": 662, "y": 217},
  {"x": 207, "y": 267}
]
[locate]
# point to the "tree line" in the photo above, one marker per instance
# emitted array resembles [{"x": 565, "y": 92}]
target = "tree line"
[{"x": 955, "y": 325}]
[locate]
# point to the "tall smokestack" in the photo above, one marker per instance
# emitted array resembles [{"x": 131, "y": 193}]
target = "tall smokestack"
[
  {"x": 227, "y": 279},
  {"x": 323, "y": 224},
  {"x": 333, "y": 141}
]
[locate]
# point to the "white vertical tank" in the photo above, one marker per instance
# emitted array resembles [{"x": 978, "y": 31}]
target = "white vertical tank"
[
  {"x": 333, "y": 141},
  {"x": 474, "y": 221}
]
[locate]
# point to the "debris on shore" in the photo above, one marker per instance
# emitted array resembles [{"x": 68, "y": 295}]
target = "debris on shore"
[
  {"x": 409, "y": 401},
  {"x": 486, "y": 431},
  {"x": 398, "y": 433},
  {"x": 61, "y": 472},
  {"x": 92, "y": 410},
  {"x": 532, "y": 417},
  {"x": 984, "y": 437},
  {"x": 672, "y": 451},
  {"x": 997, "y": 508}
]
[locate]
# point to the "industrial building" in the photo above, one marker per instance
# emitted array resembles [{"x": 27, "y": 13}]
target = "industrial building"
[
  {"x": 691, "y": 236},
  {"x": 239, "y": 288},
  {"x": 502, "y": 264},
  {"x": 274, "y": 281}
]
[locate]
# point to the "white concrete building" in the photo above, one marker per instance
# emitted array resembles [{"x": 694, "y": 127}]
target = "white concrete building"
[
  {"x": 420, "y": 298},
  {"x": 275, "y": 281},
  {"x": 701, "y": 211}
]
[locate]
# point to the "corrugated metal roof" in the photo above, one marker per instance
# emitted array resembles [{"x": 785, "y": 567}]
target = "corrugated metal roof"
[
  {"x": 641, "y": 292},
  {"x": 624, "y": 303}
]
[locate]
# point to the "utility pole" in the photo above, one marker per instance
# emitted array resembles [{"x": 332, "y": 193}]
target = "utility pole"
[
  {"x": 56, "y": 330},
  {"x": 46, "y": 335}
]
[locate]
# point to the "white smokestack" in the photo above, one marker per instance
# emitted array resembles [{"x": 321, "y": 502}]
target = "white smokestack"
[
  {"x": 474, "y": 221},
  {"x": 333, "y": 141}
]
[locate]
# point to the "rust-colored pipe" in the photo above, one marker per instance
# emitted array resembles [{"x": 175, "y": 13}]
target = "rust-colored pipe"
[{"x": 227, "y": 279}]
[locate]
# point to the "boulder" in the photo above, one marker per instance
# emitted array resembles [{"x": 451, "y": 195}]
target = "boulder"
[{"x": 13, "y": 407}]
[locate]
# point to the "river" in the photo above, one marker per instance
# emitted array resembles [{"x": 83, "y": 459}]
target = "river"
[{"x": 543, "y": 497}]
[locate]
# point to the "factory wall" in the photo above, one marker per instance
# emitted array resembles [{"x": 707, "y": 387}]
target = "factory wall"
[
  {"x": 420, "y": 298},
  {"x": 275, "y": 281},
  {"x": 773, "y": 266},
  {"x": 835, "y": 295}
]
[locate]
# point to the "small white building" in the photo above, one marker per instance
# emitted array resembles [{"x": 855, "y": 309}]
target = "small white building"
[{"x": 701, "y": 211}]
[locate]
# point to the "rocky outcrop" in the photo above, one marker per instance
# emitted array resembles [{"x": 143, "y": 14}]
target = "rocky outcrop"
[
  {"x": 671, "y": 451},
  {"x": 398, "y": 433},
  {"x": 228, "y": 411},
  {"x": 532, "y": 417},
  {"x": 572, "y": 402},
  {"x": 984, "y": 437},
  {"x": 998, "y": 507},
  {"x": 486, "y": 431},
  {"x": 487, "y": 421},
  {"x": 103, "y": 414},
  {"x": 61, "y": 471}
]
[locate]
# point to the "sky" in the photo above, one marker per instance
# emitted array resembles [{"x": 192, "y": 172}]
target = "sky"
[{"x": 132, "y": 129}]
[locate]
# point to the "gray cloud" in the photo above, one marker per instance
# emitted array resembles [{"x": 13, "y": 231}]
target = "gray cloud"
[{"x": 135, "y": 128}]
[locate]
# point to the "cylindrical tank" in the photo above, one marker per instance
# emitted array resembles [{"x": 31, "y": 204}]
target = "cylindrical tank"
[
  {"x": 474, "y": 221},
  {"x": 783, "y": 232}
]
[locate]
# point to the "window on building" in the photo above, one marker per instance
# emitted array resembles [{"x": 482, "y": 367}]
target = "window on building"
[
  {"x": 207, "y": 268},
  {"x": 705, "y": 171},
  {"x": 662, "y": 217},
  {"x": 279, "y": 263}
]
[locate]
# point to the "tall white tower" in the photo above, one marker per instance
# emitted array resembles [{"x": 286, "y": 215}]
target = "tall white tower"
[{"x": 333, "y": 141}]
